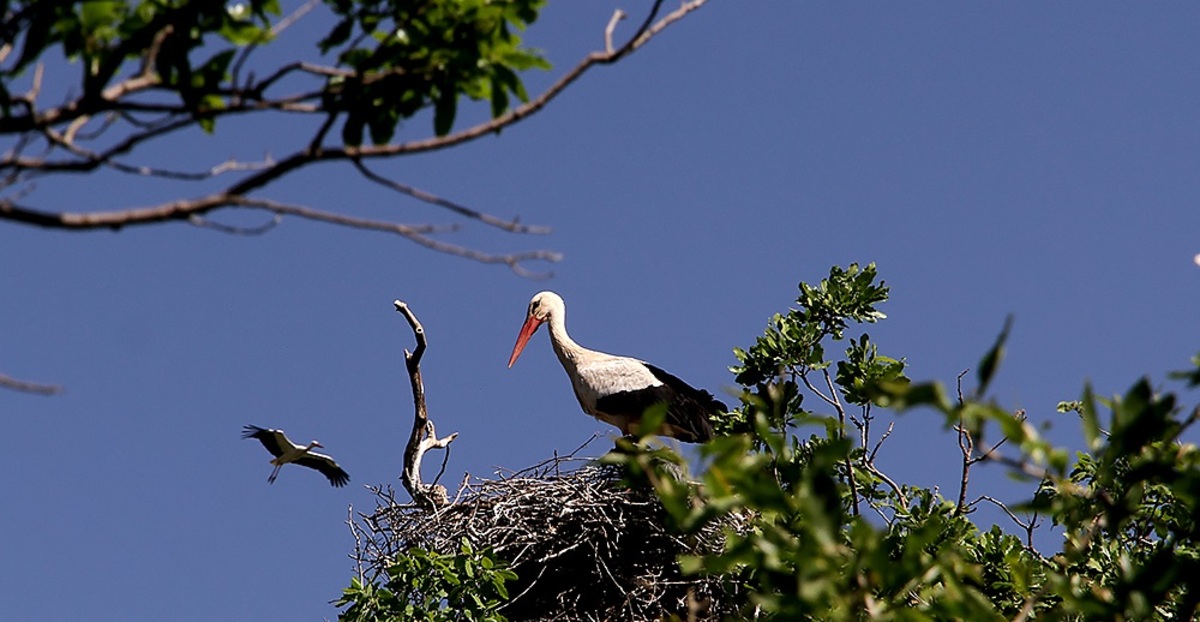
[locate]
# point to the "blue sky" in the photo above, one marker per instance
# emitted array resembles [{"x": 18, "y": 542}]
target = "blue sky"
[{"x": 1003, "y": 158}]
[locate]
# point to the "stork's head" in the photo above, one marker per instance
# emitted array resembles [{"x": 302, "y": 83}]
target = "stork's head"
[
  {"x": 314, "y": 444},
  {"x": 543, "y": 307}
]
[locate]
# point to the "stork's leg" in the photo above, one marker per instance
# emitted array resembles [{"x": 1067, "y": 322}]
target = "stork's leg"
[{"x": 274, "y": 474}]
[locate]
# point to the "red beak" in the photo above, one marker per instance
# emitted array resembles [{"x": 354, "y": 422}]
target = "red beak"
[{"x": 531, "y": 325}]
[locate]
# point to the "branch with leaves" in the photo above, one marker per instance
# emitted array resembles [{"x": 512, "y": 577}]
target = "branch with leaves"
[{"x": 192, "y": 66}]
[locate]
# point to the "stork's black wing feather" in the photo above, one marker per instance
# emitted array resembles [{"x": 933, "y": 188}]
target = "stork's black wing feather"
[
  {"x": 327, "y": 467},
  {"x": 700, "y": 396},
  {"x": 689, "y": 408},
  {"x": 269, "y": 438}
]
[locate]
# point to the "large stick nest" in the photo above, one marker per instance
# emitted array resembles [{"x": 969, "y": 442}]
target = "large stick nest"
[{"x": 584, "y": 545}]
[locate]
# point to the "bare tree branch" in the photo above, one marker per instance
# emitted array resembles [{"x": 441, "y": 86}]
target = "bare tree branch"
[
  {"x": 1028, "y": 526},
  {"x": 966, "y": 444},
  {"x": 203, "y": 222},
  {"x": 513, "y": 226},
  {"x": 9, "y": 382},
  {"x": 618, "y": 15}
]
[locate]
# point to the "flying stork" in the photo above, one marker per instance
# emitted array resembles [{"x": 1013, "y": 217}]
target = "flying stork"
[
  {"x": 618, "y": 389},
  {"x": 286, "y": 451}
]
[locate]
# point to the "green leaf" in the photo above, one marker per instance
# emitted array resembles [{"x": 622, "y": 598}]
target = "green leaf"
[
  {"x": 1190, "y": 376},
  {"x": 1091, "y": 423},
  {"x": 337, "y": 36},
  {"x": 652, "y": 420},
  {"x": 383, "y": 126},
  {"x": 991, "y": 361},
  {"x": 499, "y": 98},
  {"x": 444, "y": 111},
  {"x": 352, "y": 130}
]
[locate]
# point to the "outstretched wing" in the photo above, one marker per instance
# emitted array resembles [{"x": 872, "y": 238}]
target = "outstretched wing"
[
  {"x": 327, "y": 467},
  {"x": 275, "y": 441}
]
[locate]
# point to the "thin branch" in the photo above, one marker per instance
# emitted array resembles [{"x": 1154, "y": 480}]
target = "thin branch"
[
  {"x": 512, "y": 226},
  {"x": 837, "y": 404},
  {"x": 292, "y": 18},
  {"x": 171, "y": 210},
  {"x": 445, "y": 459},
  {"x": 825, "y": 398},
  {"x": 203, "y": 222},
  {"x": 408, "y": 231},
  {"x": 966, "y": 445},
  {"x": 984, "y": 455},
  {"x": 413, "y": 233},
  {"x": 87, "y": 160},
  {"x": 39, "y": 73},
  {"x": 90, "y": 160},
  {"x": 891, "y": 426},
  {"x": 644, "y": 29},
  {"x": 1027, "y": 526},
  {"x": 276, "y": 29},
  {"x": 1020, "y": 416},
  {"x": 38, "y": 388},
  {"x": 1027, "y": 468},
  {"x": 864, "y": 428},
  {"x": 890, "y": 484},
  {"x": 618, "y": 15}
]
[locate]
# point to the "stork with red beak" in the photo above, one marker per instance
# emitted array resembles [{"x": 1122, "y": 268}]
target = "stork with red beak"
[{"x": 617, "y": 389}]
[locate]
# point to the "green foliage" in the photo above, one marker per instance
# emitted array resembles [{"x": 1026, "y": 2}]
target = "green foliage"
[
  {"x": 1126, "y": 506},
  {"x": 793, "y": 347},
  {"x": 425, "y": 585},
  {"x": 793, "y": 341},
  {"x": 402, "y": 57},
  {"x": 104, "y": 35},
  {"x": 427, "y": 54}
]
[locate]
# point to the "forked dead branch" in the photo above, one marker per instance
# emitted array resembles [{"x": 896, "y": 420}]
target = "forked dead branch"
[{"x": 424, "y": 435}]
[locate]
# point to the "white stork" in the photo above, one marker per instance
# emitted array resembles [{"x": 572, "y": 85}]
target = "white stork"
[
  {"x": 286, "y": 451},
  {"x": 618, "y": 389}
]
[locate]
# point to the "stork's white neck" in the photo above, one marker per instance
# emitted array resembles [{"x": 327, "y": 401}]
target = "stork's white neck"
[{"x": 569, "y": 353}]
